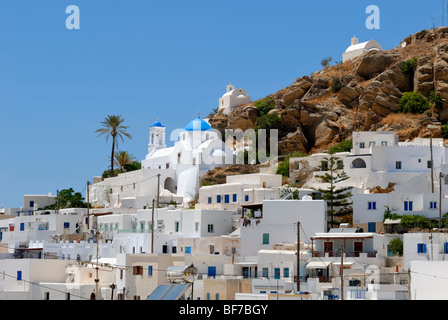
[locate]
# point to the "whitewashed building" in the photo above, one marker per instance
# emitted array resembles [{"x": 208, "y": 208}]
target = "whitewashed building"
[
  {"x": 173, "y": 172},
  {"x": 357, "y": 49},
  {"x": 233, "y": 98},
  {"x": 240, "y": 190}
]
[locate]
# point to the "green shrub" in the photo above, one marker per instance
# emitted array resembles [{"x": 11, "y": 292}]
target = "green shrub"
[
  {"x": 264, "y": 106},
  {"x": 445, "y": 131},
  {"x": 409, "y": 66},
  {"x": 414, "y": 102},
  {"x": 336, "y": 84},
  {"x": 269, "y": 121},
  {"x": 396, "y": 246},
  {"x": 343, "y": 146},
  {"x": 435, "y": 99}
]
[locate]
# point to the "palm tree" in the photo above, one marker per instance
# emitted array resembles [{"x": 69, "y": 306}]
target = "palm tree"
[
  {"x": 122, "y": 158},
  {"x": 112, "y": 127}
]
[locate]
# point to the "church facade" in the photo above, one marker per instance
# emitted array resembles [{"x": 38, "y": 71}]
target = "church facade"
[{"x": 170, "y": 173}]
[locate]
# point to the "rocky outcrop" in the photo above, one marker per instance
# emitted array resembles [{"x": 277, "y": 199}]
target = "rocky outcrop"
[{"x": 315, "y": 114}]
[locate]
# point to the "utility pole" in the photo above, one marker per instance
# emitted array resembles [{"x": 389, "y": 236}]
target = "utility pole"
[
  {"x": 88, "y": 204},
  {"x": 432, "y": 165},
  {"x": 298, "y": 256},
  {"x": 97, "y": 280},
  {"x": 440, "y": 200},
  {"x": 152, "y": 227},
  {"x": 158, "y": 189},
  {"x": 342, "y": 273}
]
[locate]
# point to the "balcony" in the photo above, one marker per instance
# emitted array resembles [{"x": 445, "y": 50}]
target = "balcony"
[{"x": 323, "y": 254}]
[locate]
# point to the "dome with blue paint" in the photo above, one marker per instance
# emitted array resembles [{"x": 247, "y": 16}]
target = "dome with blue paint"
[
  {"x": 198, "y": 124},
  {"x": 157, "y": 124}
]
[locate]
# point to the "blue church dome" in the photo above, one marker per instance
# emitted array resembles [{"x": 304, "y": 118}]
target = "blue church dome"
[
  {"x": 157, "y": 124},
  {"x": 198, "y": 124}
]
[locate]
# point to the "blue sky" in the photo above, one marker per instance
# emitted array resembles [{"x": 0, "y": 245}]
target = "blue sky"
[{"x": 165, "y": 59}]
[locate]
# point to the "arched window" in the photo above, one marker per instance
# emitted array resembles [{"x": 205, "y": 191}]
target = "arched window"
[{"x": 358, "y": 163}]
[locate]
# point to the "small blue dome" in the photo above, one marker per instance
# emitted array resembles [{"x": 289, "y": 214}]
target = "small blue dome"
[
  {"x": 198, "y": 124},
  {"x": 157, "y": 124}
]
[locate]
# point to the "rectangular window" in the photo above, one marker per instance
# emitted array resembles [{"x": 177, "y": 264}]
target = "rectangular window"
[
  {"x": 210, "y": 228},
  {"x": 19, "y": 275},
  {"x": 176, "y": 226},
  {"x": 265, "y": 272},
  {"x": 209, "y": 199},
  {"x": 265, "y": 238},
  {"x": 31, "y": 204},
  {"x": 246, "y": 197},
  {"x": 285, "y": 272},
  {"x": 433, "y": 204},
  {"x": 150, "y": 271},
  {"x": 196, "y": 226},
  {"x": 137, "y": 270},
  {"x": 234, "y": 197},
  {"x": 218, "y": 198},
  {"x": 398, "y": 165},
  {"x": 421, "y": 248},
  {"x": 371, "y": 205},
  {"x": 226, "y": 198},
  {"x": 445, "y": 247},
  {"x": 428, "y": 165},
  {"x": 408, "y": 205},
  {"x": 276, "y": 273},
  {"x": 188, "y": 250},
  {"x": 371, "y": 227},
  {"x": 384, "y": 143},
  {"x": 362, "y": 145}
]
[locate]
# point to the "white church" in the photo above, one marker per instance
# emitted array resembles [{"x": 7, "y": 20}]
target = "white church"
[
  {"x": 357, "y": 49},
  {"x": 170, "y": 173}
]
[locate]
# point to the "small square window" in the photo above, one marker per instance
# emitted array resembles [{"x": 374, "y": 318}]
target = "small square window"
[{"x": 398, "y": 165}]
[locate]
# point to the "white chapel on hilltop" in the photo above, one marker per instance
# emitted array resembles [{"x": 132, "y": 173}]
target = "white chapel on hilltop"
[
  {"x": 197, "y": 149},
  {"x": 233, "y": 98},
  {"x": 357, "y": 49}
]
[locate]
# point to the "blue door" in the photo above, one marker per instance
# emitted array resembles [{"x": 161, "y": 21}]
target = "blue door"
[{"x": 211, "y": 271}]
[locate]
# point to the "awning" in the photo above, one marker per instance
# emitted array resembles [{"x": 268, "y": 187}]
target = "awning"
[
  {"x": 390, "y": 221},
  {"x": 318, "y": 264}
]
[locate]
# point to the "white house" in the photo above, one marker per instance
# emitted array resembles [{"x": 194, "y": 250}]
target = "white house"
[
  {"x": 429, "y": 280},
  {"x": 132, "y": 233},
  {"x": 424, "y": 246},
  {"x": 233, "y": 98},
  {"x": 240, "y": 190},
  {"x": 357, "y": 49},
  {"x": 278, "y": 224}
]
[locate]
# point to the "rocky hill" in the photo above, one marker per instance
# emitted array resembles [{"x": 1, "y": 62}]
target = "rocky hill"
[{"x": 320, "y": 110}]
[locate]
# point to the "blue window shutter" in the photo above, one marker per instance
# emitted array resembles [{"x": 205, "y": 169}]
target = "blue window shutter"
[
  {"x": 277, "y": 273},
  {"x": 369, "y": 205},
  {"x": 445, "y": 246},
  {"x": 226, "y": 198},
  {"x": 66, "y": 225},
  {"x": 371, "y": 227},
  {"x": 187, "y": 249},
  {"x": 209, "y": 199},
  {"x": 218, "y": 198},
  {"x": 19, "y": 275},
  {"x": 22, "y": 226},
  {"x": 374, "y": 205},
  {"x": 149, "y": 270},
  {"x": 410, "y": 205},
  {"x": 234, "y": 197},
  {"x": 405, "y": 206},
  {"x": 424, "y": 247},
  {"x": 246, "y": 198}
]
